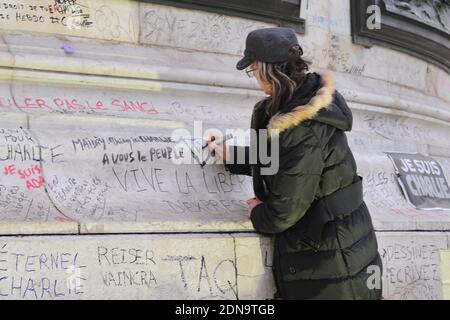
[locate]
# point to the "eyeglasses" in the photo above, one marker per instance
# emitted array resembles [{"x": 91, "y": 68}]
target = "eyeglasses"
[{"x": 250, "y": 72}]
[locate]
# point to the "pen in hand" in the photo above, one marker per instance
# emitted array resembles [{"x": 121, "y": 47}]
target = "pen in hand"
[{"x": 219, "y": 142}]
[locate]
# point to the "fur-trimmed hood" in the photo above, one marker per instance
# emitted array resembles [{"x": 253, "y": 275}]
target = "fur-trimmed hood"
[{"x": 326, "y": 106}]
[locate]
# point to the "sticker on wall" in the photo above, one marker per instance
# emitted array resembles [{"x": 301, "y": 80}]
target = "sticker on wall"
[{"x": 422, "y": 180}]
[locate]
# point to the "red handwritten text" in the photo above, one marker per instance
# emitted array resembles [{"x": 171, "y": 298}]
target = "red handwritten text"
[
  {"x": 31, "y": 175},
  {"x": 60, "y": 104}
]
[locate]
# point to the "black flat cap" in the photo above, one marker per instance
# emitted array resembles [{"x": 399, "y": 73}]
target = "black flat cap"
[{"x": 269, "y": 45}]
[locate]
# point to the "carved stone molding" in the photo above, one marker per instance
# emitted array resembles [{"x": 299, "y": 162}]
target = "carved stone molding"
[
  {"x": 435, "y": 13},
  {"x": 285, "y": 13},
  {"x": 418, "y": 27}
]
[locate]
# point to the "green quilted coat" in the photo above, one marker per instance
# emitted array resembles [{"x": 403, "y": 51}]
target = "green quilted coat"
[{"x": 324, "y": 241}]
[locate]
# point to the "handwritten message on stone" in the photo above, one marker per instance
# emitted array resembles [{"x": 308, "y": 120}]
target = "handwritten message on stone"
[
  {"x": 142, "y": 267},
  {"x": 39, "y": 274},
  {"x": 136, "y": 177},
  {"x": 88, "y": 176},
  {"x": 22, "y": 182},
  {"x": 34, "y": 99},
  {"x": 108, "y": 20},
  {"x": 194, "y": 29},
  {"x": 411, "y": 265}
]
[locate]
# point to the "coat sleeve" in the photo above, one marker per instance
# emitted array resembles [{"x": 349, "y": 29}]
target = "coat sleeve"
[
  {"x": 294, "y": 187},
  {"x": 235, "y": 166}
]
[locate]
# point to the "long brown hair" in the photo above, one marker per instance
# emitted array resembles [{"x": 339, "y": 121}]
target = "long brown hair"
[{"x": 283, "y": 78}]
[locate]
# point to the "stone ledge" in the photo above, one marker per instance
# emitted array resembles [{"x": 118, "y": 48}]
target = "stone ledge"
[
  {"x": 165, "y": 226},
  {"x": 151, "y": 63},
  {"x": 36, "y": 228}
]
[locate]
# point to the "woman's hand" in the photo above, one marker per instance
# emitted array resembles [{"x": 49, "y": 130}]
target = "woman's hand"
[
  {"x": 220, "y": 150},
  {"x": 253, "y": 202}
]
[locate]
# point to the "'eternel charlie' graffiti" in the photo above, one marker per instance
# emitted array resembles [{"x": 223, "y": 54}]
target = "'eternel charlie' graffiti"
[
  {"x": 37, "y": 273},
  {"x": 39, "y": 276}
]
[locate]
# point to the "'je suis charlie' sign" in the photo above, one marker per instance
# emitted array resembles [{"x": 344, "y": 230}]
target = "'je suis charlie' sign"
[{"x": 422, "y": 180}]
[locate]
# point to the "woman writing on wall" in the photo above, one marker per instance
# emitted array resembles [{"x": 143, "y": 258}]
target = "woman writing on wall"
[{"x": 325, "y": 245}]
